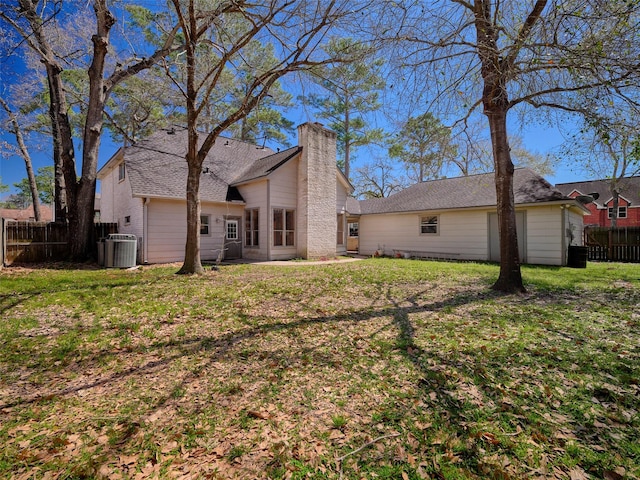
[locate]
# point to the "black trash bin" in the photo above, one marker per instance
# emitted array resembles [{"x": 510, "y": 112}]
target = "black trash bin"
[
  {"x": 577, "y": 256},
  {"x": 101, "y": 251}
]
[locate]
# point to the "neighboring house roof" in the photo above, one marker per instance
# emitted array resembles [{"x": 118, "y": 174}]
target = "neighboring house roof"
[
  {"x": 629, "y": 189},
  {"x": 463, "y": 192},
  {"x": 27, "y": 214},
  {"x": 156, "y": 166}
]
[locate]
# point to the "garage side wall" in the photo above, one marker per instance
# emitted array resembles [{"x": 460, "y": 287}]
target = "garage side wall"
[
  {"x": 544, "y": 235},
  {"x": 461, "y": 235},
  {"x": 464, "y": 235}
]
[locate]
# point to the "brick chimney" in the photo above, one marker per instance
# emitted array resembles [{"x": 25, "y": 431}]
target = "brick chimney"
[{"x": 316, "y": 212}]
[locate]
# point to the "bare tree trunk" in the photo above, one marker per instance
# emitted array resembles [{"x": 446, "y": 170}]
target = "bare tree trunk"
[
  {"x": 615, "y": 192},
  {"x": 495, "y": 100},
  {"x": 510, "y": 278},
  {"x": 63, "y": 150},
  {"x": 347, "y": 138},
  {"x": 24, "y": 152},
  {"x": 192, "y": 263},
  {"x": 82, "y": 208}
]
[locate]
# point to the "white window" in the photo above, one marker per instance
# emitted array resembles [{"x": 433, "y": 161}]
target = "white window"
[
  {"x": 284, "y": 227},
  {"x": 354, "y": 229},
  {"x": 251, "y": 230},
  {"x": 232, "y": 230},
  {"x": 622, "y": 212},
  {"x": 205, "y": 221},
  {"x": 429, "y": 225},
  {"x": 121, "y": 172}
]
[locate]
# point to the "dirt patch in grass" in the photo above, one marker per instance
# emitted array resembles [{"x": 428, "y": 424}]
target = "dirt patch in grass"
[{"x": 375, "y": 369}]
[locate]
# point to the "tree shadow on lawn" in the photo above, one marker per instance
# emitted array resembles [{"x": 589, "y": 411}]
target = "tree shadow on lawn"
[
  {"x": 476, "y": 394},
  {"x": 9, "y": 301},
  {"x": 399, "y": 311},
  {"x": 215, "y": 349}
]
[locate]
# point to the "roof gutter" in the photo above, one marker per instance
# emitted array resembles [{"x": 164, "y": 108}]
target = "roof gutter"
[
  {"x": 182, "y": 199},
  {"x": 567, "y": 202},
  {"x": 116, "y": 157}
]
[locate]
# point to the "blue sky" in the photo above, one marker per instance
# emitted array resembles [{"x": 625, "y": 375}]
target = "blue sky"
[{"x": 536, "y": 138}]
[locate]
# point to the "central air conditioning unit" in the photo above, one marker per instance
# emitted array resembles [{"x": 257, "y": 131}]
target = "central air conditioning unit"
[{"x": 121, "y": 250}]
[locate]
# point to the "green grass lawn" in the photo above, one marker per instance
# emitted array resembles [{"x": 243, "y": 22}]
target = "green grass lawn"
[{"x": 382, "y": 368}]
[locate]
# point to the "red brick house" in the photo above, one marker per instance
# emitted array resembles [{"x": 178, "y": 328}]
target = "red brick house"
[{"x": 602, "y": 208}]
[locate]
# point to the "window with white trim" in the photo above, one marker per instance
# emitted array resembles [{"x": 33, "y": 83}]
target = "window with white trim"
[
  {"x": 205, "y": 221},
  {"x": 251, "y": 227},
  {"x": 284, "y": 227},
  {"x": 354, "y": 229},
  {"x": 429, "y": 225},
  {"x": 232, "y": 230},
  {"x": 622, "y": 212},
  {"x": 121, "y": 172}
]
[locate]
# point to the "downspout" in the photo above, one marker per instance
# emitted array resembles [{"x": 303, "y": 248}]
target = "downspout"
[
  {"x": 145, "y": 230},
  {"x": 269, "y": 219},
  {"x": 563, "y": 236}
]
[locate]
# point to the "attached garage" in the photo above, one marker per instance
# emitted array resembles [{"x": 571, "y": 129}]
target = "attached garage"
[{"x": 456, "y": 219}]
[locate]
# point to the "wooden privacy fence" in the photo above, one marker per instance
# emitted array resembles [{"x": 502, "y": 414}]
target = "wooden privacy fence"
[
  {"x": 607, "y": 244},
  {"x": 31, "y": 242}
]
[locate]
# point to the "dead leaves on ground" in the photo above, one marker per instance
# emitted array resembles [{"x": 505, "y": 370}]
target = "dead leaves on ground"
[{"x": 251, "y": 389}]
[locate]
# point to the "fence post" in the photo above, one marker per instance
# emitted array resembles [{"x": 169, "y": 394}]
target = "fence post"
[{"x": 3, "y": 241}]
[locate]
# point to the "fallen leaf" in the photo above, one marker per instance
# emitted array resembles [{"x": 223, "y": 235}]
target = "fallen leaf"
[
  {"x": 257, "y": 414},
  {"x": 128, "y": 459},
  {"x": 422, "y": 426},
  {"x": 613, "y": 475},
  {"x": 577, "y": 473},
  {"x": 490, "y": 438},
  {"x": 169, "y": 447}
]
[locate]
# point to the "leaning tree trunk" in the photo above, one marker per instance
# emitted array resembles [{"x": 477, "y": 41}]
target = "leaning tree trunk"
[
  {"x": 63, "y": 149},
  {"x": 33, "y": 186},
  {"x": 24, "y": 152}
]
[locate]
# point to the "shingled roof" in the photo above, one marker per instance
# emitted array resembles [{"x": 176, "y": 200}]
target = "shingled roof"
[
  {"x": 463, "y": 192},
  {"x": 156, "y": 166},
  {"x": 629, "y": 189},
  {"x": 264, "y": 166}
]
